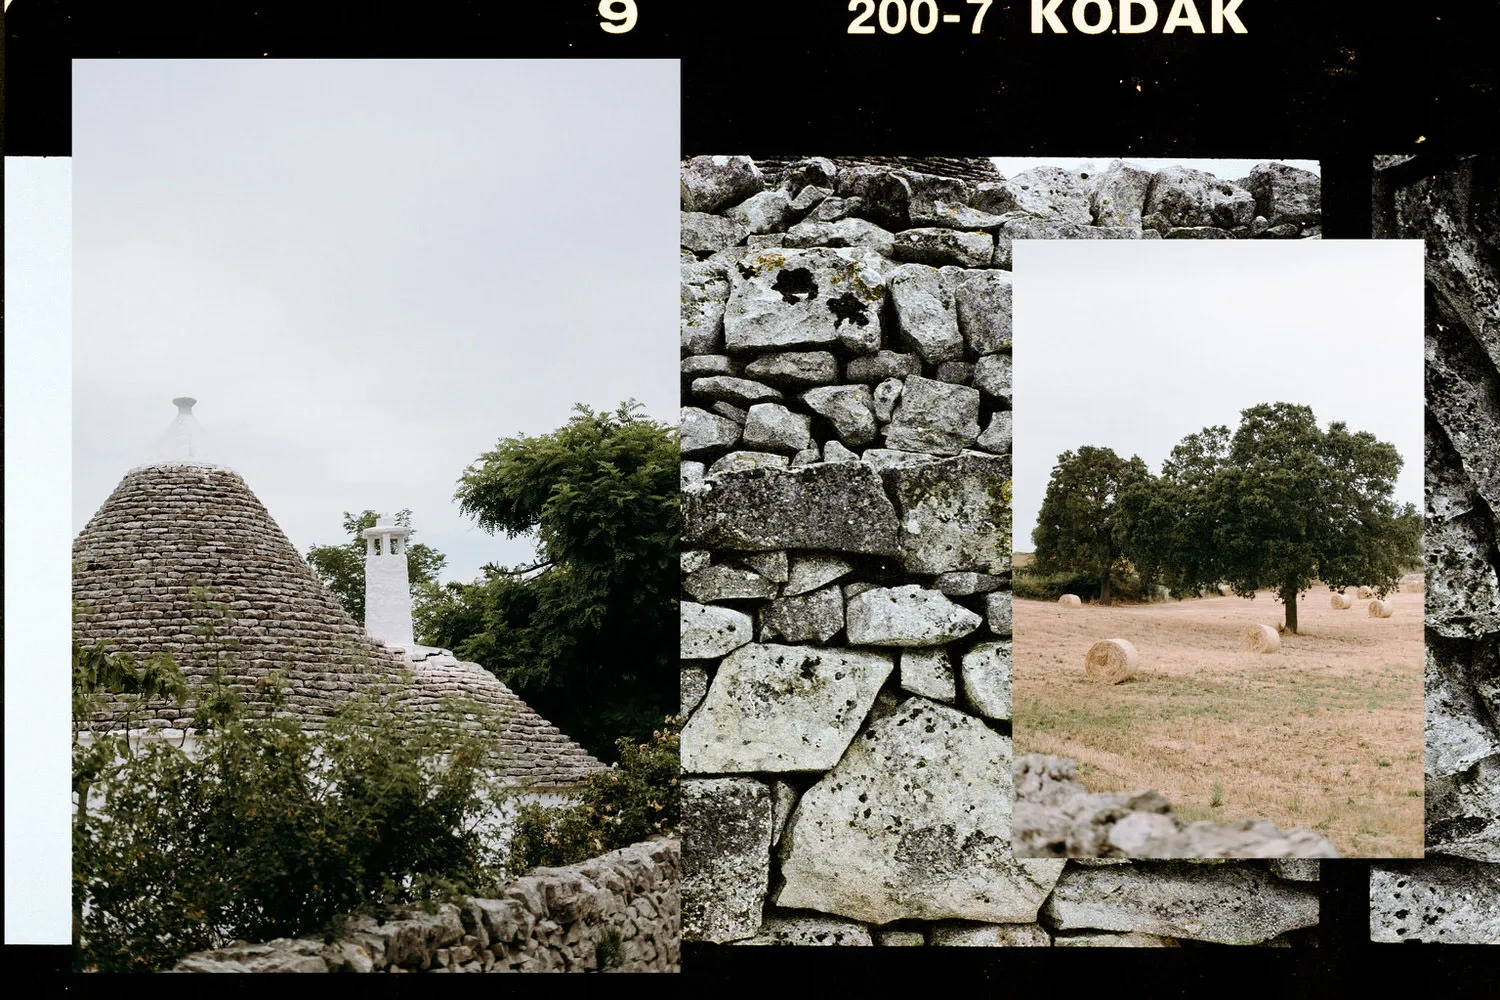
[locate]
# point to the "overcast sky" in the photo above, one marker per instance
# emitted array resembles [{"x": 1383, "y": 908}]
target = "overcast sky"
[
  {"x": 368, "y": 272},
  {"x": 1223, "y": 169},
  {"x": 1133, "y": 345}
]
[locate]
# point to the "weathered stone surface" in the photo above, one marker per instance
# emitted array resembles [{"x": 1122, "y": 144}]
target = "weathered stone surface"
[
  {"x": 818, "y": 171},
  {"x": 929, "y": 673},
  {"x": 884, "y": 196},
  {"x": 692, "y": 686},
  {"x": 990, "y": 936},
  {"x": 954, "y": 515},
  {"x": 849, "y": 408},
  {"x": 812, "y": 570},
  {"x": 835, "y": 452},
  {"x": 1196, "y": 233},
  {"x": 692, "y": 472},
  {"x": 738, "y": 461},
  {"x": 807, "y": 456},
  {"x": 700, "y": 431},
  {"x": 280, "y": 955},
  {"x": 962, "y": 584},
  {"x": 812, "y": 617},
  {"x": 1436, "y": 900},
  {"x": 711, "y": 182},
  {"x": 1047, "y": 192},
  {"x": 992, "y": 376},
  {"x": 795, "y": 368},
  {"x": 883, "y": 365},
  {"x": 924, "y": 310},
  {"x": 726, "y": 857},
  {"x": 1025, "y": 228},
  {"x": 809, "y": 197},
  {"x": 696, "y": 365},
  {"x": 797, "y": 298},
  {"x": 1128, "y": 939},
  {"x": 934, "y": 417},
  {"x": 998, "y": 613},
  {"x": 783, "y": 799},
  {"x": 884, "y": 397},
  {"x": 705, "y": 291},
  {"x": 846, "y": 232},
  {"x": 1182, "y": 197},
  {"x": 782, "y": 708},
  {"x": 986, "y": 672},
  {"x": 704, "y": 233},
  {"x": 899, "y": 939},
  {"x": 839, "y": 506},
  {"x": 982, "y": 300},
  {"x": 1295, "y": 869},
  {"x": 763, "y": 212},
  {"x": 906, "y": 616},
  {"x": 1220, "y": 903},
  {"x": 773, "y": 426},
  {"x": 724, "y": 583},
  {"x": 693, "y": 560},
  {"x": 1286, "y": 194},
  {"x": 771, "y": 565},
  {"x": 918, "y": 807},
  {"x": 997, "y": 436},
  {"x": 944, "y": 201},
  {"x": 741, "y": 391},
  {"x": 1118, "y": 195},
  {"x": 810, "y": 931},
  {"x": 956, "y": 372},
  {"x": 730, "y": 412},
  {"x": 709, "y": 633},
  {"x": 937, "y": 247},
  {"x": 884, "y": 459}
]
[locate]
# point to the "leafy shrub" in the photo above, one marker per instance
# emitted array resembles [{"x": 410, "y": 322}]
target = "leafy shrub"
[{"x": 1030, "y": 585}]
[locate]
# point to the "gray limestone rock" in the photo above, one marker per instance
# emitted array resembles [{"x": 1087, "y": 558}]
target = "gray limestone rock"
[
  {"x": 763, "y": 212},
  {"x": 692, "y": 686},
  {"x": 692, "y": 472},
  {"x": 884, "y": 459},
  {"x": 782, "y": 708},
  {"x": 1026, "y": 228},
  {"x": 774, "y": 427},
  {"x": 726, "y": 857},
  {"x": 809, "y": 197},
  {"x": 738, "y": 461},
  {"x": 956, "y": 372},
  {"x": 883, "y": 365},
  {"x": 711, "y": 182},
  {"x": 795, "y": 368},
  {"x": 1119, "y": 194},
  {"x": 942, "y": 201},
  {"x": 997, "y": 613},
  {"x": 703, "y": 233},
  {"x": 934, "y": 417},
  {"x": 696, "y": 365},
  {"x": 705, "y": 291},
  {"x": 929, "y": 673},
  {"x": 884, "y": 195},
  {"x": 693, "y": 560},
  {"x": 783, "y": 799},
  {"x": 924, "y": 310},
  {"x": 818, "y": 171},
  {"x": 962, "y": 584},
  {"x": 983, "y": 303},
  {"x": 899, "y": 939},
  {"x": 997, "y": 436},
  {"x": 812, "y": 617},
  {"x": 1286, "y": 194},
  {"x": 1195, "y": 233},
  {"x": 811, "y": 570},
  {"x": 1184, "y": 197},
  {"x": 740, "y": 391},
  {"x": 846, "y": 232},
  {"x": 709, "y": 633},
  {"x": 803, "y": 298},
  {"x": 954, "y": 514},
  {"x": 885, "y": 396},
  {"x": 839, "y": 506},
  {"x": 771, "y": 565},
  {"x": 1296, "y": 869},
  {"x": 849, "y": 408},
  {"x": 726, "y": 583},
  {"x": 833, "y": 209},
  {"x": 1046, "y": 192},
  {"x": 1129, "y": 939},
  {"x": 990, "y": 936},
  {"x": 807, "y": 456},
  {"x": 835, "y": 452},
  {"x": 913, "y": 823},
  {"x": 701, "y": 431},
  {"x": 1436, "y": 900},
  {"x": 803, "y": 931},
  {"x": 937, "y": 247},
  {"x": 730, "y": 411},
  {"x": 986, "y": 673},
  {"x": 992, "y": 376},
  {"x": 906, "y": 616},
  {"x": 1227, "y": 904}
]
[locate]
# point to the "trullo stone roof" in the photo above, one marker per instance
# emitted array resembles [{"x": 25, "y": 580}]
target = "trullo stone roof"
[{"x": 178, "y": 524}]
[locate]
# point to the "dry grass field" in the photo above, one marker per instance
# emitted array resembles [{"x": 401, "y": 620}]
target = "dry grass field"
[{"x": 1325, "y": 734}]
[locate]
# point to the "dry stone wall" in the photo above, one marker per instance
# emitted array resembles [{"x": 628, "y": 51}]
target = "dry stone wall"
[
  {"x": 1453, "y": 203},
  {"x": 846, "y": 606},
  {"x": 618, "y": 912}
]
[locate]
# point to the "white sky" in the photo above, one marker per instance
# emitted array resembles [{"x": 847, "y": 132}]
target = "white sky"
[
  {"x": 1224, "y": 169},
  {"x": 368, "y": 272},
  {"x": 1133, "y": 345}
]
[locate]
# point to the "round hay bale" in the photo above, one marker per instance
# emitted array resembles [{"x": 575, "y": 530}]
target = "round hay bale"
[
  {"x": 1070, "y": 601},
  {"x": 1260, "y": 639},
  {"x": 1110, "y": 661},
  {"x": 1381, "y": 609},
  {"x": 1413, "y": 587},
  {"x": 1225, "y": 590},
  {"x": 1340, "y": 602},
  {"x": 1365, "y": 593}
]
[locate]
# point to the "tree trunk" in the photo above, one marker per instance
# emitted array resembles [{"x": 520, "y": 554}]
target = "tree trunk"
[
  {"x": 1104, "y": 589},
  {"x": 1289, "y": 598}
]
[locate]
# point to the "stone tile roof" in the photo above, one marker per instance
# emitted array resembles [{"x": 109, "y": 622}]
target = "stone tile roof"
[{"x": 169, "y": 527}]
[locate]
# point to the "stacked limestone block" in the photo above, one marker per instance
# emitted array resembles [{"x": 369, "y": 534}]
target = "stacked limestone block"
[
  {"x": 617, "y": 912},
  {"x": 846, "y": 602},
  {"x": 1453, "y": 203}
]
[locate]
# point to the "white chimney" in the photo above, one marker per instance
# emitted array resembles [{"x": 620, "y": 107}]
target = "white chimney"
[{"x": 387, "y": 586}]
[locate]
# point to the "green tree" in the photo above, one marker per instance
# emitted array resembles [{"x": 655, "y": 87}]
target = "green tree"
[
  {"x": 587, "y": 633},
  {"x": 342, "y": 567},
  {"x": 1077, "y": 528},
  {"x": 1280, "y": 504}
]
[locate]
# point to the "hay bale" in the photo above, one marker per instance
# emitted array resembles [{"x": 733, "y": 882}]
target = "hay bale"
[
  {"x": 1413, "y": 587},
  {"x": 1341, "y": 602},
  {"x": 1110, "y": 661},
  {"x": 1381, "y": 609},
  {"x": 1365, "y": 593},
  {"x": 1070, "y": 601},
  {"x": 1260, "y": 639},
  {"x": 1225, "y": 590}
]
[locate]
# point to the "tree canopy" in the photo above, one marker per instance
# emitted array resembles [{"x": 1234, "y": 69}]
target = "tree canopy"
[
  {"x": 1078, "y": 529},
  {"x": 587, "y": 633},
  {"x": 342, "y": 567}
]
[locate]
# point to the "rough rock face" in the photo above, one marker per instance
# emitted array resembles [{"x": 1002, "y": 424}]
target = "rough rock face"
[
  {"x": 726, "y": 836},
  {"x": 862, "y": 331},
  {"x": 1453, "y": 204},
  {"x": 1056, "y": 817}
]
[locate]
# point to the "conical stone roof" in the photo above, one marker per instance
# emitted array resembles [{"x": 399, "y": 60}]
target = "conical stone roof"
[{"x": 182, "y": 550}]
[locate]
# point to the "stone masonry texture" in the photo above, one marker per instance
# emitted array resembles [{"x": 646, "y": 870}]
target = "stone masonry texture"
[{"x": 846, "y": 427}]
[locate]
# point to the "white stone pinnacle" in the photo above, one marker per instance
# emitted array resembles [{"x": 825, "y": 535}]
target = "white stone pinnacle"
[
  {"x": 184, "y": 442},
  {"x": 388, "y": 587}
]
